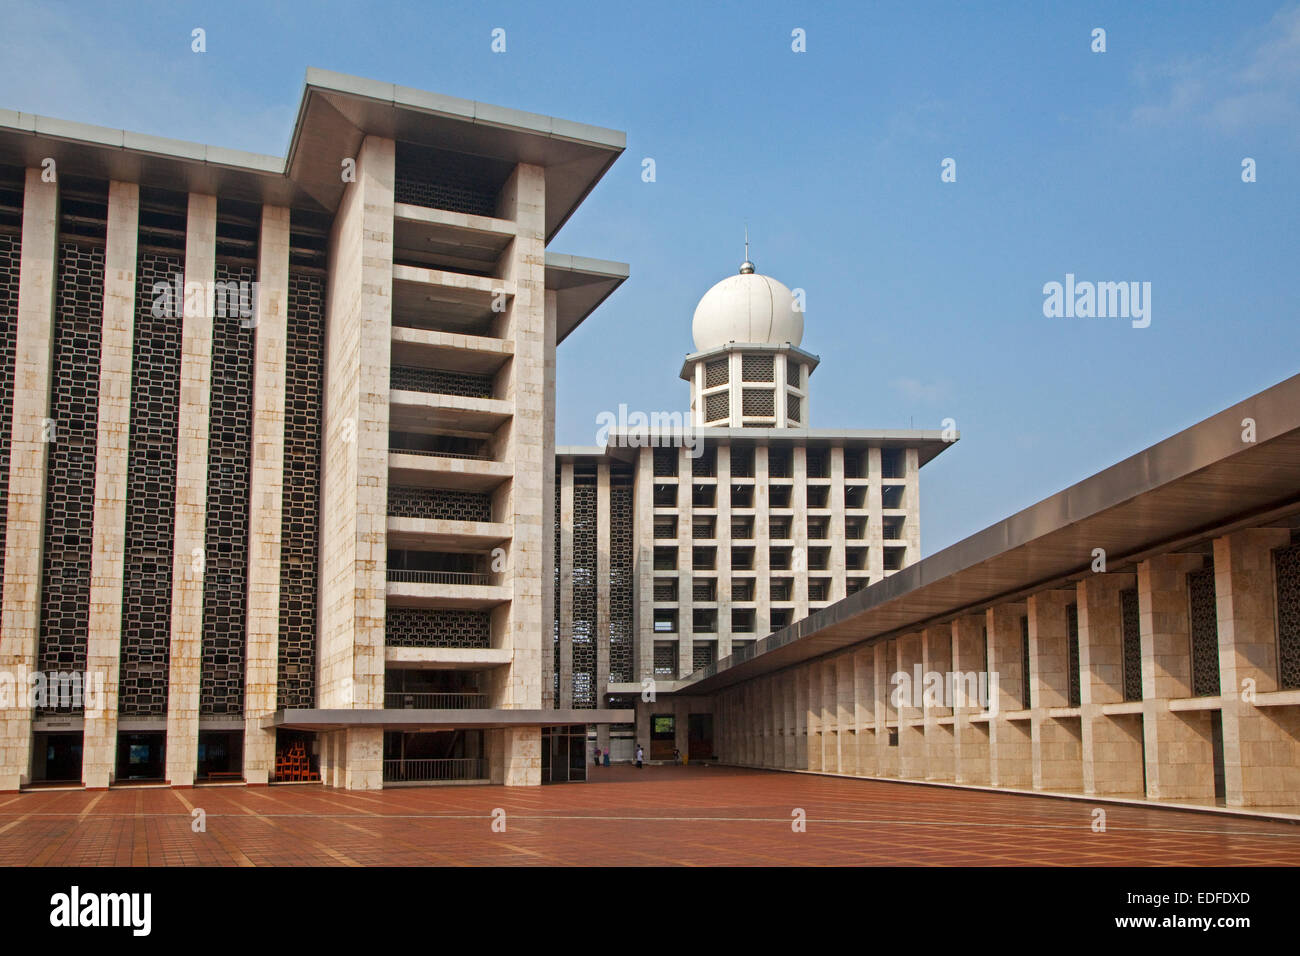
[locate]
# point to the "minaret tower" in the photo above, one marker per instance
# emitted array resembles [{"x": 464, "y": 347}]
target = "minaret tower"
[{"x": 747, "y": 370}]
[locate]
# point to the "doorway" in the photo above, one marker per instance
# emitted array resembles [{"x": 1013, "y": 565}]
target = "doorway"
[
  {"x": 700, "y": 737},
  {"x": 56, "y": 758},
  {"x": 140, "y": 755},
  {"x": 663, "y": 736}
]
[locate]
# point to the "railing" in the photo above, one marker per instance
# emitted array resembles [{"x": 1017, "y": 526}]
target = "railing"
[
  {"x": 438, "y": 454},
  {"x": 439, "y": 577},
  {"x": 434, "y": 770},
  {"x": 400, "y": 700}
]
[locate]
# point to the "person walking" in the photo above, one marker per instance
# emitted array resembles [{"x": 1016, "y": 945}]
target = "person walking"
[
  {"x": 596, "y": 759},
  {"x": 606, "y": 756},
  {"x": 640, "y": 756}
]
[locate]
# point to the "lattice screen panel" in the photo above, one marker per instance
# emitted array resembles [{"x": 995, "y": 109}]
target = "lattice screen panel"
[
  {"x": 757, "y": 368},
  {"x": 1287, "y": 571},
  {"x": 300, "y": 520},
  {"x": 715, "y": 373},
  {"x": 150, "y": 496},
  {"x": 225, "y": 568},
  {"x": 439, "y": 503},
  {"x": 758, "y": 402},
  {"x": 442, "y": 180},
  {"x": 584, "y": 594},
  {"x": 440, "y": 381},
  {"x": 10, "y": 257},
  {"x": 620, "y": 583},
  {"x": 792, "y": 408},
  {"x": 1203, "y": 607},
  {"x": 1072, "y": 653},
  {"x": 437, "y": 627},
  {"x": 1132, "y": 643},
  {"x": 717, "y": 407},
  {"x": 70, "y": 471}
]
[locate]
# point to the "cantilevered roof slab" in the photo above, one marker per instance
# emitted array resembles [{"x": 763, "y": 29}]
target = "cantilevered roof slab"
[
  {"x": 338, "y": 111},
  {"x": 580, "y": 285},
  {"x": 1202, "y": 481}
]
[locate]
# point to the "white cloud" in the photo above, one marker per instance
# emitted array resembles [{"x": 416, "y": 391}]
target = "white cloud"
[{"x": 1254, "y": 83}]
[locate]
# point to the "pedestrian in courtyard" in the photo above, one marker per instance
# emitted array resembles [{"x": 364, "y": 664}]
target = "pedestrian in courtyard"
[
  {"x": 640, "y": 756},
  {"x": 596, "y": 759},
  {"x": 606, "y": 756}
]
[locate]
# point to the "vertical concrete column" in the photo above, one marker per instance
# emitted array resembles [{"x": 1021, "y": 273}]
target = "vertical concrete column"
[
  {"x": 970, "y": 740},
  {"x": 29, "y": 445},
  {"x": 104, "y": 636},
  {"x": 830, "y": 715},
  {"x": 1011, "y": 758},
  {"x": 354, "y": 456},
  {"x": 936, "y": 658},
  {"x": 643, "y": 531},
  {"x": 838, "y": 574},
  {"x": 864, "y": 706},
  {"x": 188, "y": 561},
  {"x": 875, "y": 534},
  {"x": 789, "y": 722},
  {"x": 1179, "y": 749},
  {"x": 799, "y": 681},
  {"x": 799, "y": 531},
  {"x": 912, "y": 502},
  {"x": 685, "y": 564},
  {"x": 734, "y": 395},
  {"x": 883, "y": 664},
  {"x": 723, "y": 501},
  {"x": 566, "y": 583},
  {"x": 811, "y": 677},
  {"x": 523, "y": 201},
  {"x": 911, "y": 728},
  {"x": 1112, "y": 744},
  {"x": 1057, "y": 741},
  {"x": 847, "y": 714},
  {"x": 762, "y": 541},
  {"x": 266, "y": 494},
  {"x": 1261, "y": 745}
]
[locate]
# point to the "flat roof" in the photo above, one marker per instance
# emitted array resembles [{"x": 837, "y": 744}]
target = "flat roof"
[
  {"x": 334, "y": 115},
  {"x": 623, "y": 443},
  {"x": 1199, "y": 482}
]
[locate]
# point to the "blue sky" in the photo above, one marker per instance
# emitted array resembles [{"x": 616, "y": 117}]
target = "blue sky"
[{"x": 924, "y": 299}]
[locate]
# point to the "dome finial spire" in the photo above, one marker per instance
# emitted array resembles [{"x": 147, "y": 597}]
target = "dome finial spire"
[{"x": 746, "y": 267}]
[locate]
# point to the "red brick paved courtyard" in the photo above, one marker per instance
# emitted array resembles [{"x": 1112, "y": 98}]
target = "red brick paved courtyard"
[{"x": 698, "y": 816}]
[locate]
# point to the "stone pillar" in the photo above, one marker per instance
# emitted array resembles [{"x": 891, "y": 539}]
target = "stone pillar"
[
  {"x": 1057, "y": 743},
  {"x": 643, "y": 533},
  {"x": 550, "y": 522},
  {"x": 25, "y": 515},
  {"x": 685, "y": 564},
  {"x": 799, "y": 531},
  {"x": 864, "y": 694},
  {"x": 530, "y": 449},
  {"x": 936, "y": 658},
  {"x": 1010, "y": 740},
  {"x": 1261, "y": 745},
  {"x": 188, "y": 561},
  {"x": 1179, "y": 748},
  {"x": 837, "y": 563},
  {"x": 875, "y": 533},
  {"x": 885, "y": 663},
  {"x": 970, "y": 739},
  {"x": 266, "y": 495},
  {"x": 847, "y": 716},
  {"x": 723, "y": 501},
  {"x": 104, "y": 637},
  {"x": 1112, "y": 744}
]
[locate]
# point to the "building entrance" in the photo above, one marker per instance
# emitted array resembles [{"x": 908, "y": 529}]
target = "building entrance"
[{"x": 700, "y": 738}]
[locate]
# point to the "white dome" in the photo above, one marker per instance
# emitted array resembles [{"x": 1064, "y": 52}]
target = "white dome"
[{"x": 749, "y": 309}]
